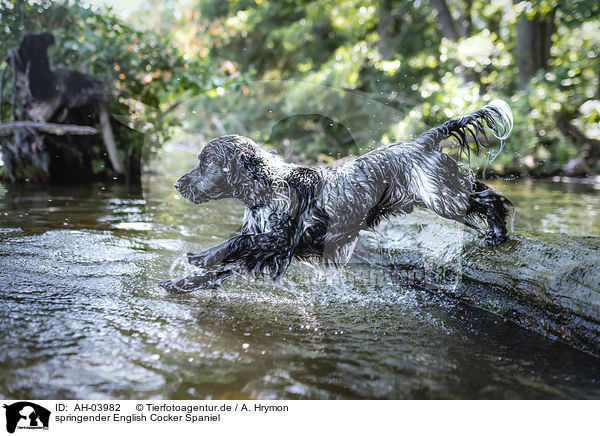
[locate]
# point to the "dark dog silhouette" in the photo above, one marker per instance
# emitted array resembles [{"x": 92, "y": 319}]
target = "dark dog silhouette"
[{"x": 13, "y": 415}]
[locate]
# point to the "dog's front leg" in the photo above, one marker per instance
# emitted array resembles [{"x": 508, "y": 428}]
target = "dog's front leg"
[
  {"x": 211, "y": 256},
  {"x": 261, "y": 252}
]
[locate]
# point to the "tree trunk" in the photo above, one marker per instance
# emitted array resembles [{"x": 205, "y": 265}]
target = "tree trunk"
[
  {"x": 549, "y": 284},
  {"x": 534, "y": 39},
  {"x": 384, "y": 29},
  {"x": 445, "y": 19},
  {"x": 453, "y": 31},
  {"x": 467, "y": 29},
  {"x": 589, "y": 148},
  {"x": 598, "y": 88}
]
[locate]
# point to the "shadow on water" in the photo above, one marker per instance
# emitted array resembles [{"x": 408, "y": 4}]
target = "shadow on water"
[{"x": 82, "y": 317}]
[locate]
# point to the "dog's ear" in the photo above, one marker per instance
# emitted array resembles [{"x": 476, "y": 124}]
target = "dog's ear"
[{"x": 251, "y": 180}]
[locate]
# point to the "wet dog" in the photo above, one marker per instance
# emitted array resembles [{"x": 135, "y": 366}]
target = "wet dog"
[{"x": 316, "y": 214}]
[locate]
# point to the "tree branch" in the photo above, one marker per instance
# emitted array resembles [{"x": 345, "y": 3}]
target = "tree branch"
[
  {"x": 109, "y": 140},
  {"x": 54, "y": 129}
]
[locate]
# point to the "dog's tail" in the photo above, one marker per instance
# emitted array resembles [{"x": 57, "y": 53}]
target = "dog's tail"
[{"x": 496, "y": 115}]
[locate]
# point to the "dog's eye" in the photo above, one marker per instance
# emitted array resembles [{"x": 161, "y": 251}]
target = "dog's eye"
[{"x": 208, "y": 162}]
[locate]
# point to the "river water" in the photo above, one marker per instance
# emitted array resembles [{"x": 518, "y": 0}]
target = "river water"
[{"x": 81, "y": 315}]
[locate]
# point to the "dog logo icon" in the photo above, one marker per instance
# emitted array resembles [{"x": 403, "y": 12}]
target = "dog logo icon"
[{"x": 26, "y": 415}]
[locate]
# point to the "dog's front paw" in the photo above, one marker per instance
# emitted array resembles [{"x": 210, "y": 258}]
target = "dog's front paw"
[
  {"x": 173, "y": 287},
  {"x": 493, "y": 239}
]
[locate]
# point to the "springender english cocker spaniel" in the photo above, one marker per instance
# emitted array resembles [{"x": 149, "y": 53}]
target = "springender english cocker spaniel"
[{"x": 315, "y": 214}]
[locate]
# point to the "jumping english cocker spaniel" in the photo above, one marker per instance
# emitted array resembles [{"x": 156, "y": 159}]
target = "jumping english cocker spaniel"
[{"x": 316, "y": 214}]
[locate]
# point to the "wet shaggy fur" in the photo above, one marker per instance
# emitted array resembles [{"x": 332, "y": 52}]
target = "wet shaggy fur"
[{"x": 316, "y": 214}]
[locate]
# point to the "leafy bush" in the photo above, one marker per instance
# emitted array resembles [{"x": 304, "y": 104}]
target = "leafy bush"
[{"x": 144, "y": 71}]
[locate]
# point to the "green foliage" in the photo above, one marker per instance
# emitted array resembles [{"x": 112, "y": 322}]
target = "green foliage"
[
  {"x": 395, "y": 52},
  {"x": 144, "y": 71},
  {"x": 390, "y": 51}
]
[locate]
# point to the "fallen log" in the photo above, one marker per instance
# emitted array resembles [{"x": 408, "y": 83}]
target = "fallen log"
[
  {"x": 6, "y": 129},
  {"x": 548, "y": 283}
]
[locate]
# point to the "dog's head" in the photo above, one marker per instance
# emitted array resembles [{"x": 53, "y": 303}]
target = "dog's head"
[{"x": 228, "y": 166}]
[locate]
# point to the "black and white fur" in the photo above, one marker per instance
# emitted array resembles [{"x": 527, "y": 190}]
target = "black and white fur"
[{"x": 316, "y": 214}]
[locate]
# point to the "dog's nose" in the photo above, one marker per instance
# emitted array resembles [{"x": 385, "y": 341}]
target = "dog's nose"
[{"x": 177, "y": 184}]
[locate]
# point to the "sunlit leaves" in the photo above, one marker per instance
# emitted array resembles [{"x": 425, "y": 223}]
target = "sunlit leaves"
[
  {"x": 590, "y": 117},
  {"x": 478, "y": 52}
]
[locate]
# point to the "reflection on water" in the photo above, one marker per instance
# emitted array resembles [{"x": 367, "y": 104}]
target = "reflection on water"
[
  {"x": 551, "y": 207},
  {"x": 82, "y": 317}
]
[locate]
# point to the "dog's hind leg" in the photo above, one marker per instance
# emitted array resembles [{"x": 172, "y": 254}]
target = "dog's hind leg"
[
  {"x": 441, "y": 185},
  {"x": 493, "y": 209},
  {"x": 438, "y": 183}
]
